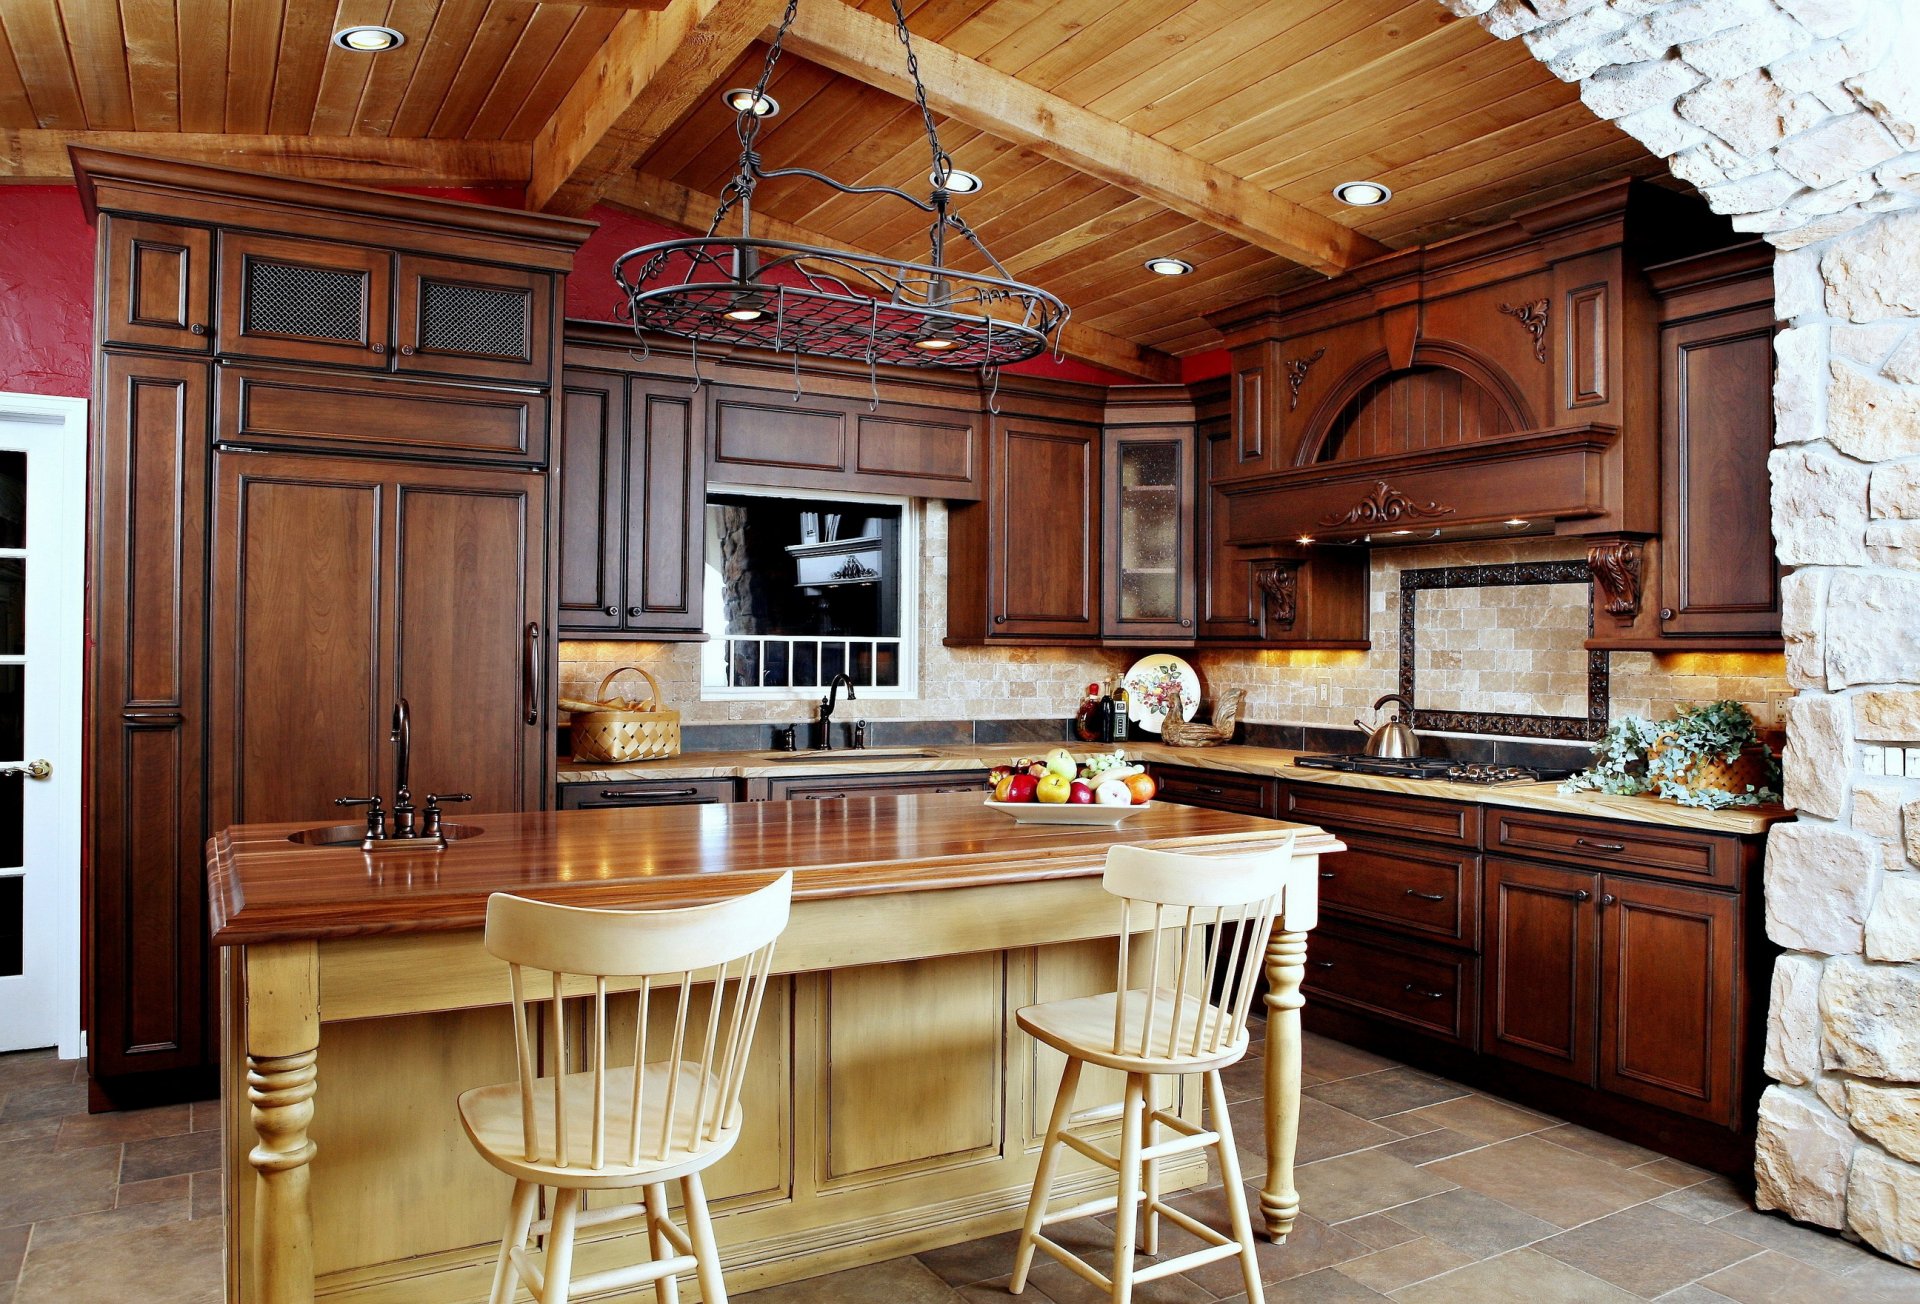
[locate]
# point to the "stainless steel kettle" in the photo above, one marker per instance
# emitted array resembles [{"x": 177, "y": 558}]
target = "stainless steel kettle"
[{"x": 1394, "y": 738}]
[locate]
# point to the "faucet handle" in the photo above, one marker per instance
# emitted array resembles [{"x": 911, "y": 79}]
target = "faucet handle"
[
  {"x": 434, "y": 802},
  {"x": 376, "y": 813}
]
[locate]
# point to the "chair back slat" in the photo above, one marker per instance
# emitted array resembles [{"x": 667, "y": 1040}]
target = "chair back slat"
[
  {"x": 1189, "y": 894},
  {"x": 720, "y": 953}
]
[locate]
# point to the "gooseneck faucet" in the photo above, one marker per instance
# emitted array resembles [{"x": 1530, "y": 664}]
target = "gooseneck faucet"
[
  {"x": 402, "y": 740},
  {"x": 402, "y": 832},
  {"x": 827, "y": 704}
]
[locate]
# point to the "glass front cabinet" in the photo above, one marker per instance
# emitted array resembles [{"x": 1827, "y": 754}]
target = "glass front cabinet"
[{"x": 1148, "y": 593}]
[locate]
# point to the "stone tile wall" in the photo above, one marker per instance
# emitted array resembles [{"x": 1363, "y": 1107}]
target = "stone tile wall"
[{"x": 1801, "y": 119}]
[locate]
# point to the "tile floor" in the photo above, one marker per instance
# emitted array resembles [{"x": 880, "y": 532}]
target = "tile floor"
[{"x": 1418, "y": 1191}]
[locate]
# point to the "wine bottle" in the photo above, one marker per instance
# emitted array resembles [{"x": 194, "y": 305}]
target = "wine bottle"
[
  {"x": 1103, "y": 717},
  {"x": 1122, "y": 705},
  {"x": 1086, "y": 721}
]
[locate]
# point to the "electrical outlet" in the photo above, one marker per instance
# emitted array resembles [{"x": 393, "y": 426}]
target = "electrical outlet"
[{"x": 1777, "y": 699}]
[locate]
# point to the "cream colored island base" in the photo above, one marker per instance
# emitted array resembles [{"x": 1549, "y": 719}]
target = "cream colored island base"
[{"x": 894, "y": 1105}]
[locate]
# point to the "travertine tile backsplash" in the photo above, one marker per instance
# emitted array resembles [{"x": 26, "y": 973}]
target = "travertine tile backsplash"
[{"x": 1310, "y": 688}]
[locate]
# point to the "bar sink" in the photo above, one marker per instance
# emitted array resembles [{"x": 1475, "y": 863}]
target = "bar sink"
[{"x": 334, "y": 836}]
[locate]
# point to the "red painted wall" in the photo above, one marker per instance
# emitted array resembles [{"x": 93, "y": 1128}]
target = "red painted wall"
[{"x": 46, "y": 292}]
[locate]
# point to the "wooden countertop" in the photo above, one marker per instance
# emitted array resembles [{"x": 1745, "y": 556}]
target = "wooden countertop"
[
  {"x": 264, "y": 887},
  {"x": 1266, "y": 762}
]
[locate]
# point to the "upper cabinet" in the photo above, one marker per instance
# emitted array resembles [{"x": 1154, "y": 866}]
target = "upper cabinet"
[
  {"x": 304, "y": 301},
  {"x": 159, "y": 285},
  {"x": 1148, "y": 492},
  {"x": 468, "y": 319}
]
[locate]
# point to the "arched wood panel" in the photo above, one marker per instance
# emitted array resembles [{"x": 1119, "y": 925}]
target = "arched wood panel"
[{"x": 1446, "y": 397}]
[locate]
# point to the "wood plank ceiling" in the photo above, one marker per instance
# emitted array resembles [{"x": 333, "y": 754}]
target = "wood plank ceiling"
[{"x": 611, "y": 101}]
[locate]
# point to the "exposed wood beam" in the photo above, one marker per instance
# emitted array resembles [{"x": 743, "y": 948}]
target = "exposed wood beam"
[
  {"x": 36, "y": 155},
  {"x": 672, "y": 203},
  {"x": 651, "y": 72},
  {"x": 863, "y": 47}
]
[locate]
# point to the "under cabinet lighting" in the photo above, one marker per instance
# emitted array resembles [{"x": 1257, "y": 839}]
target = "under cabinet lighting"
[
  {"x": 368, "y": 39},
  {"x": 1169, "y": 266},
  {"x": 740, "y": 98},
  {"x": 960, "y": 183},
  {"x": 1362, "y": 194},
  {"x": 1305, "y": 538},
  {"x": 1515, "y": 523}
]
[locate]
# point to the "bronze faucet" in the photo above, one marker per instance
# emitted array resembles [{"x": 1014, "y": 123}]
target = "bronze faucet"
[
  {"x": 403, "y": 832},
  {"x": 827, "y": 704}
]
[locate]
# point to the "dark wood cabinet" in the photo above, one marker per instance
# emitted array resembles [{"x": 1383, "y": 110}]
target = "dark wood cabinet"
[
  {"x": 1024, "y": 563},
  {"x": 151, "y": 1008},
  {"x": 310, "y": 408},
  {"x": 305, "y": 300},
  {"x": 833, "y": 787},
  {"x": 633, "y": 487},
  {"x": 1541, "y": 970},
  {"x": 647, "y": 792},
  {"x": 1411, "y": 986},
  {"x": 342, "y": 585},
  {"x": 1244, "y": 794},
  {"x": 1148, "y": 540},
  {"x": 468, "y": 319},
  {"x": 159, "y": 285}
]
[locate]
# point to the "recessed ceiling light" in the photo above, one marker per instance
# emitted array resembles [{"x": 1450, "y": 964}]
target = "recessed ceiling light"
[
  {"x": 739, "y": 98},
  {"x": 960, "y": 183},
  {"x": 1362, "y": 194},
  {"x": 368, "y": 39},
  {"x": 1168, "y": 266},
  {"x": 936, "y": 344}
]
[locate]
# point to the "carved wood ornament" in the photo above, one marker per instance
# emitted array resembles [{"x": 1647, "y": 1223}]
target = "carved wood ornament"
[
  {"x": 1384, "y": 506},
  {"x": 1534, "y": 317},
  {"x": 1616, "y": 565},
  {"x": 1279, "y": 582},
  {"x": 1297, "y": 369}
]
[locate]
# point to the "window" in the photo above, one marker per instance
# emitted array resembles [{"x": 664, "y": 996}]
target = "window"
[{"x": 801, "y": 588}]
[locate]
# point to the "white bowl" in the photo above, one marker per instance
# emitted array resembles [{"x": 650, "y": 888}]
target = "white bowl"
[{"x": 1038, "y": 812}]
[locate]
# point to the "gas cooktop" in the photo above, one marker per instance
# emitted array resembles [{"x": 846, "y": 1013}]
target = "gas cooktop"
[{"x": 1435, "y": 767}]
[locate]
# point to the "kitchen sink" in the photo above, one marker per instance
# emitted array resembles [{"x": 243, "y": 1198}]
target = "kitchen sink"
[
  {"x": 335, "y": 836},
  {"x": 847, "y": 754}
]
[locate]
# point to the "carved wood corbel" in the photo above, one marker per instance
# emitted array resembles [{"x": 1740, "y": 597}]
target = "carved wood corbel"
[
  {"x": 1533, "y": 316},
  {"x": 1279, "y": 584},
  {"x": 1616, "y": 565},
  {"x": 1297, "y": 369}
]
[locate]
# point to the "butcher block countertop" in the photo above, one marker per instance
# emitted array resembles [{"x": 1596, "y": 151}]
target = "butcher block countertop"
[
  {"x": 1267, "y": 762},
  {"x": 264, "y": 887}
]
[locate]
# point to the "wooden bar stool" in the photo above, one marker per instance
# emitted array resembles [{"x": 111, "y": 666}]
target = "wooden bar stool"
[
  {"x": 1209, "y": 917},
  {"x": 624, "y": 1128}
]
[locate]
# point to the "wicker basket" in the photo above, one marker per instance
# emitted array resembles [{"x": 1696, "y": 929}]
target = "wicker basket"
[
  {"x": 1748, "y": 769},
  {"x": 624, "y": 728}
]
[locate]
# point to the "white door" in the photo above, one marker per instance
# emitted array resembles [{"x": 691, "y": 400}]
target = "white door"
[{"x": 42, "y": 551}]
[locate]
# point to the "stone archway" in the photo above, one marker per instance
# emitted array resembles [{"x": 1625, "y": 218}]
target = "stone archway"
[{"x": 1801, "y": 120}]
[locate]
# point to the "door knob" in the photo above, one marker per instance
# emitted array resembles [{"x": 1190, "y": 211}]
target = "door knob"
[{"x": 31, "y": 770}]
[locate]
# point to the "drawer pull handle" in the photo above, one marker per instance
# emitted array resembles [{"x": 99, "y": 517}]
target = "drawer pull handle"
[
  {"x": 1427, "y": 896},
  {"x": 1214, "y": 792},
  {"x": 1321, "y": 964},
  {"x": 615, "y": 794},
  {"x": 1600, "y": 846},
  {"x": 1421, "y": 991},
  {"x": 825, "y": 796},
  {"x": 1583, "y": 895},
  {"x": 1326, "y": 873}
]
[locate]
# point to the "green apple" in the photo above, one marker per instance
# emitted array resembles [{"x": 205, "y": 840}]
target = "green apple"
[
  {"x": 1054, "y": 789},
  {"x": 1060, "y": 761}
]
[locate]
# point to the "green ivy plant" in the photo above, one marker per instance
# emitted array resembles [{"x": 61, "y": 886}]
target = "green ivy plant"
[{"x": 1627, "y": 764}]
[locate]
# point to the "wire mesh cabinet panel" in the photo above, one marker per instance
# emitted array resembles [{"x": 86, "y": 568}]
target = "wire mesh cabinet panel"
[
  {"x": 305, "y": 301},
  {"x": 469, "y": 319}
]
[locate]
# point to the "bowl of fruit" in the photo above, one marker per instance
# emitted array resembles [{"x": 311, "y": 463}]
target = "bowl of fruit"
[{"x": 1059, "y": 788}]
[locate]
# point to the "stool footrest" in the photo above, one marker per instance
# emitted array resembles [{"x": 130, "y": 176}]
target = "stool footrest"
[
  {"x": 1078, "y": 1265},
  {"x": 637, "y": 1274},
  {"x": 1180, "y": 1145},
  {"x": 1167, "y": 1267},
  {"x": 1193, "y": 1225},
  {"x": 1086, "y": 1209}
]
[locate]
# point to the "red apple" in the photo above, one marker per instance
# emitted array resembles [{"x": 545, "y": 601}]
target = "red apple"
[
  {"x": 1081, "y": 794},
  {"x": 1020, "y": 787}
]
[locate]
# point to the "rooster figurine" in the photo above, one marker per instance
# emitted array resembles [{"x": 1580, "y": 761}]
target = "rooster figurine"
[{"x": 1177, "y": 731}]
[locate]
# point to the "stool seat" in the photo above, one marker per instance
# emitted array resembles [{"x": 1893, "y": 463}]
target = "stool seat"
[
  {"x": 492, "y": 1118},
  {"x": 1083, "y": 1027}
]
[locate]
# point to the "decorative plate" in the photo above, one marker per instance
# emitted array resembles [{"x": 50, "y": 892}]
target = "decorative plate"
[
  {"x": 1037, "y": 812},
  {"x": 1150, "y": 686}
]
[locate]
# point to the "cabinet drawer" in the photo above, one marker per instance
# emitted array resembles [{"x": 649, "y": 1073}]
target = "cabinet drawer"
[
  {"x": 290, "y": 408},
  {"x": 1245, "y": 794},
  {"x": 653, "y": 792},
  {"x": 1404, "y": 886},
  {"x": 830, "y": 787},
  {"x": 1451, "y": 822},
  {"x": 1424, "y": 988},
  {"x": 1603, "y": 844}
]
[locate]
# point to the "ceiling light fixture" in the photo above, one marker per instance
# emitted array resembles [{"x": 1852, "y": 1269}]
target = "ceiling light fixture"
[
  {"x": 740, "y": 97},
  {"x": 837, "y": 303},
  {"x": 1168, "y": 266},
  {"x": 960, "y": 183},
  {"x": 1362, "y": 194},
  {"x": 368, "y": 39}
]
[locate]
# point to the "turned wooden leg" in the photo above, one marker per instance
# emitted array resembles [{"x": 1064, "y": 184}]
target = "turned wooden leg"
[
  {"x": 667, "y": 1289},
  {"x": 557, "y": 1288},
  {"x": 283, "y": 1038},
  {"x": 520, "y": 1211},
  {"x": 1286, "y": 963},
  {"x": 1127, "y": 1210},
  {"x": 1043, "y": 1176},
  {"x": 1231, "y": 1188},
  {"x": 706, "y": 1250}
]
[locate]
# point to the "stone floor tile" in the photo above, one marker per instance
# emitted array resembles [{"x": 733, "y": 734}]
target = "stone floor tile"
[
  {"x": 1477, "y": 1116},
  {"x": 1586, "y": 1141},
  {"x": 1714, "y": 1198},
  {"x": 37, "y": 1183},
  {"x": 207, "y": 1116},
  {"x": 1325, "y": 1131},
  {"x": 898, "y": 1281},
  {"x": 34, "y": 1068},
  {"x": 188, "y": 1152},
  {"x": 1674, "y": 1173},
  {"x": 1246, "y": 1080},
  {"x": 1063, "y": 1286},
  {"x": 1646, "y": 1250},
  {"x": 1477, "y": 1225},
  {"x": 49, "y": 1101},
  {"x": 972, "y": 1261},
  {"x": 79, "y": 1131},
  {"x": 1331, "y": 1060},
  {"x": 180, "y": 1263},
  {"x": 1425, "y": 1147},
  {"x": 1548, "y": 1181},
  {"x": 1327, "y": 1286},
  {"x": 1310, "y": 1246},
  {"x": 1775, "y": 1278},
  {"x": 48, "y": 1232},
  {"x": 209, "y": 1200},
  {"x": 1516, "y": 1277},
  {"x": 1402, "y": 1265},
  {"x": 157, "y": 1188},
  {"x": 1885, "y": 1276},
  {"x": 1694, "y": 1294},
  {"x": 1362, "y": 1183},
  {"x": 13, "y": 1249},
  {"x": 1377, "y": 1231},
  {"x": 1390, "y": 1091},
  {"x": 994, "y": 1291},
  {"x": 31, "y": 1129},
  {"x": 1828, "y": 1251}
]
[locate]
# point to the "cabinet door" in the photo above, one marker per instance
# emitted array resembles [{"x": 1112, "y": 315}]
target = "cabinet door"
[
  {"x": 1668, "y": 973},
  {"x": 305, "y": 301},
  {"x": 341, "y": 585},
  {"x": 467, "y": 319},
  {"x": 591, "y": 469},
  {"x": 1539, "y": 1000},
  {"x": 151, "y": 994},
  {"x": 1718, "y": 574},
  {"x": 1149, "y": 543},
  {"x": 1044, "y": 531},
  {"x": 158, "y": 285},
  {"x": 666, "y": 505}
]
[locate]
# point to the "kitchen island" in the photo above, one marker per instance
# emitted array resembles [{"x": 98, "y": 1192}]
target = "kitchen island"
[{"x": 893, "y": 1106}]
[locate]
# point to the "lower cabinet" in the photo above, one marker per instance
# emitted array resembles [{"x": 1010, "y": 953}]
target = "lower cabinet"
[
  {"x": 831, "y": 787},
  {"x": 649, "y": 792},
  {"x": 1543, "y": 968},
  {"x": 1243, "y": 794},
  {"x": 1428, "y": 989}
]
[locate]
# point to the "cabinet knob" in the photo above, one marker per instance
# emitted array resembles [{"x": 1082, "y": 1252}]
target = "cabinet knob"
[
  {"x": 1606, "y": 898},
  {"x": 1186, "y": 624},
  {"x": 377, "y": 347},
  {"x": 1666, "y": 613},
  {"x": 1583, "y": 895},
  {"x": 198, "y": 328},
  {"x": 633, "y": 611},
  {"x": 406, "y": 350},
  {"x": 999, "y": 620},
  {"x": 613, "y": 609}
]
